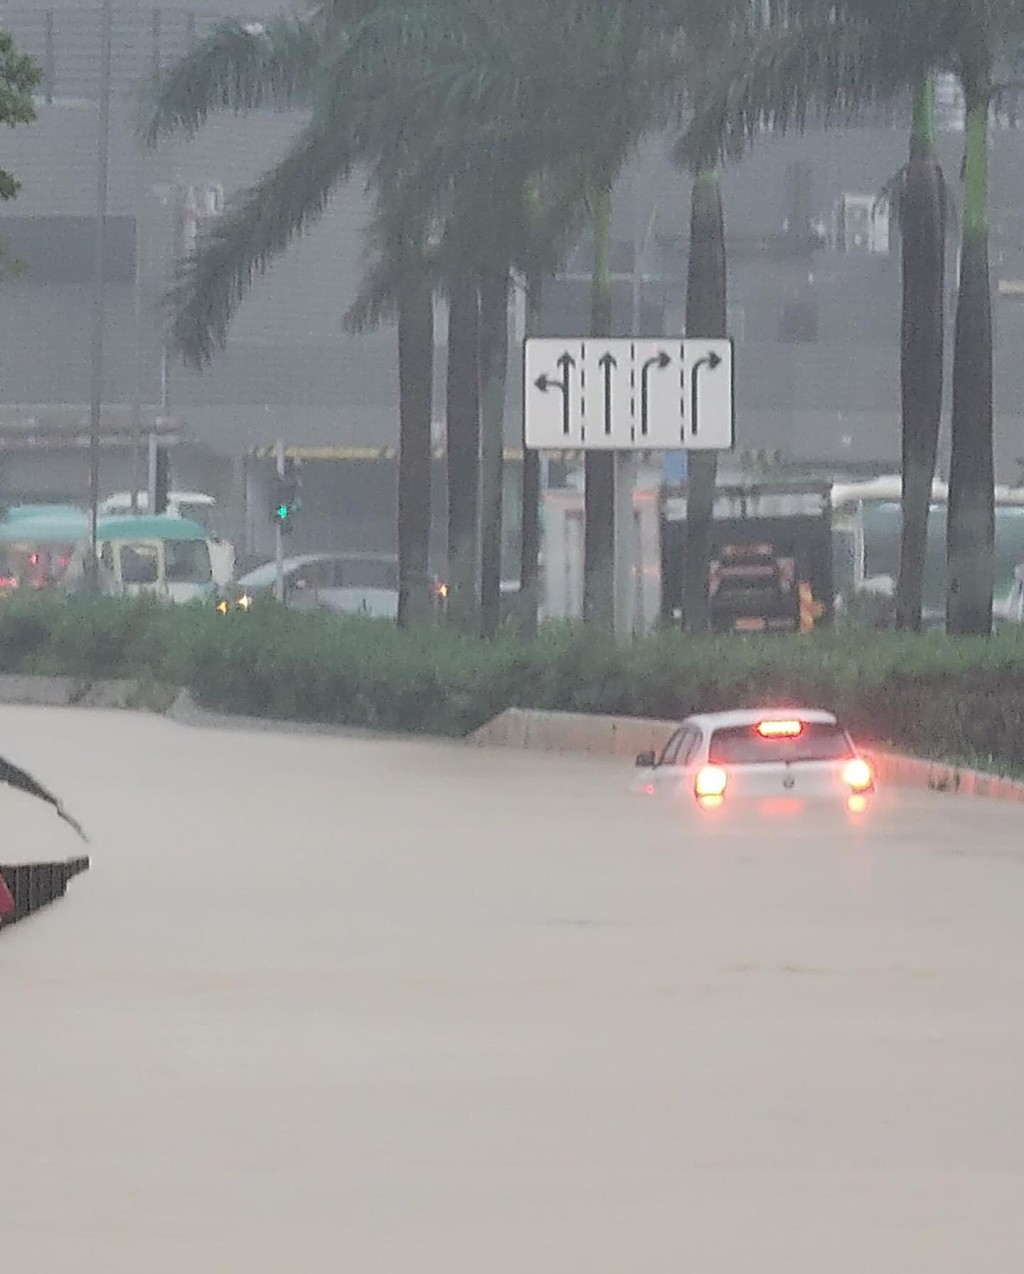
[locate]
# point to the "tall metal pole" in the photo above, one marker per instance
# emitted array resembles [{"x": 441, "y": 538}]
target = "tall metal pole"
[
  {"x": 140, "y": 372},
  {"x": 278, "y": 533},
  {"x": 99, "y": 308}
]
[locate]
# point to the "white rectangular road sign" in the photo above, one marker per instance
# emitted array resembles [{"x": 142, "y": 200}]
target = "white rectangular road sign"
[{"x": 591, "y": 393}]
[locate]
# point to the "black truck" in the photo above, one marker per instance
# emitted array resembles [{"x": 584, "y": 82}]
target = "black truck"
[{"x": 771, "y": 561}]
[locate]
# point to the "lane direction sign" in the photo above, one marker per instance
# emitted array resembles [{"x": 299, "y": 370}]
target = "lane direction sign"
[{"x": 592, "y": 393}]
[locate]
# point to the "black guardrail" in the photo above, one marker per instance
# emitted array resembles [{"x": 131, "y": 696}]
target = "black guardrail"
[{"x": 35, "y": 885}]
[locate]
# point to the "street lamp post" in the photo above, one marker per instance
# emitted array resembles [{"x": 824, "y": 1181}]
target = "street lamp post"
[{"x": 99, "y": 307}]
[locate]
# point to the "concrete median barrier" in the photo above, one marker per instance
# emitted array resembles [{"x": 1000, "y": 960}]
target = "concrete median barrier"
[
  {"x": 573, "y": 732},
  {"x": 78, "y": 692},
  {"x": 941, "y": 776}
]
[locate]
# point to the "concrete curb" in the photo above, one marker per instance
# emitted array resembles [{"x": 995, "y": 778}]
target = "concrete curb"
[
  {"x": 79, "y": 692},
  {"x": 628, "y": 736},
  {"x": 940, "y": 776}
]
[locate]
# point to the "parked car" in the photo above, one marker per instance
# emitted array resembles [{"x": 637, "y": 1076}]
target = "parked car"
[{"x": 345, "y": 583}]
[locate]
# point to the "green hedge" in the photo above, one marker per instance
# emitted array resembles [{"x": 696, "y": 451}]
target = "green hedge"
[{"x": 932, "y": 695}]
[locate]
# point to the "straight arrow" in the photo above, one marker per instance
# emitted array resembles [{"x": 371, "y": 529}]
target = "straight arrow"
[{"x": 608, "y": 362}]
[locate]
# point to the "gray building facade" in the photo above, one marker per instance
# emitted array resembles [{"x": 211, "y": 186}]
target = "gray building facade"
[{"x": 816, "y": 331}]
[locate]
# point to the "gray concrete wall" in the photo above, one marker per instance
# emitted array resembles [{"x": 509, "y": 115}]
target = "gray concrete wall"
[{"x": 290, "y": 369}]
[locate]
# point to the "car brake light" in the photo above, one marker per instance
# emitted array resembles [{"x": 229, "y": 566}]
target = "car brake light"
[
  {"x": 780, "y": 729},
  {"x": 711, "y": 781},
  {"x": 858, "y": 776}
]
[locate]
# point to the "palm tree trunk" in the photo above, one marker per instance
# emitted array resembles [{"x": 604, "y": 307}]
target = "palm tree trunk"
[
  {"x": 529, "y": 566},
  {"x": 599, "y": 466},
  {"x": 921, "y": 348},
  {"x": 416, "y": 388},
  {"x": 463, "y": 446},
  {"x": 970, "y": 534},
  {"x": 493, "y": 379},
  {"x": 705, "y": 316}
]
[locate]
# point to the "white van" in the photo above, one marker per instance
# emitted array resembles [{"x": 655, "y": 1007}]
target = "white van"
[{"x": 193, "y": 505}]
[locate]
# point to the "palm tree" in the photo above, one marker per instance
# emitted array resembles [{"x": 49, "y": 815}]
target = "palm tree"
[
  {"x": 415, "y": 399},
  {"x": 831, "y": 60},
  {"x": 970, "y": 522},
  {"x": 705, "y": 316},
  {"x": 552, "y": 108},
  {"x": 599, "y": 466},
  {"x": 554, "y": 213},
  {"x": 921, "y": 214},
  {"x": 378, "y": 79},
  {"x": 242, "y": 69}
]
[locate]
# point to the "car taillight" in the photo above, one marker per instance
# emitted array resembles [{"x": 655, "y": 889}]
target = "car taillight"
[
  {"x": 780, "y": 729},
  {"x": 711, "y": 781},
  {"x": 858, "y": 776}
]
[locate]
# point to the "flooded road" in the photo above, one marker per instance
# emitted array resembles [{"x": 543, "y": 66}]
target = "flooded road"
[{"x": 330, "y": 1003}]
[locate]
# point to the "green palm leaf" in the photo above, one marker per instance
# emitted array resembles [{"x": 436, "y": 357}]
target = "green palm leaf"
[{"x": 256, "y": 228}]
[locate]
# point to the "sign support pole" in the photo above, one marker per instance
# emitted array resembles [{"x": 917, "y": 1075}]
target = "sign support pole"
[
  {"x": 625, "y": 539},
  {"x": 278, "y": 533}
]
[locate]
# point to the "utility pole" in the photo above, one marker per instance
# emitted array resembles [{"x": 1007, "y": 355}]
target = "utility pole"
[
  {"x": 99, "y": 307},
  {"x": 278, "y": 528},
  {"x": 139, "y": 352}
]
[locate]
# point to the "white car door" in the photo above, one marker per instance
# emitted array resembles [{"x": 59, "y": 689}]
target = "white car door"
[{"x": 674, "y": 766}]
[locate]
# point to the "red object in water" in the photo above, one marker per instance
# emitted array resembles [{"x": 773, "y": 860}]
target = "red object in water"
[{"x": 6, "y": 900}]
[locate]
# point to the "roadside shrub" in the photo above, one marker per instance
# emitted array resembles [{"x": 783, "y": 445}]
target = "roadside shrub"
[{"x": 937, "y": 696}]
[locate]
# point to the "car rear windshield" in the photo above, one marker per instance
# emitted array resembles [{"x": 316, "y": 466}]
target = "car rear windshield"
[{"x": 744, "y": 745}]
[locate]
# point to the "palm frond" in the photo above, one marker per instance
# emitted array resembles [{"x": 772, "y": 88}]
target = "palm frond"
[
  {"x": 238, "y": 67},
  {"x": 255, "y": 229},
  {"x": 831, "y": 69},
  {"x": 377, "y": 299}
]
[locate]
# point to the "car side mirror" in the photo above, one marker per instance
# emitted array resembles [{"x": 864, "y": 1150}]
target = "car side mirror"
[{"x": 646, "y": 761}]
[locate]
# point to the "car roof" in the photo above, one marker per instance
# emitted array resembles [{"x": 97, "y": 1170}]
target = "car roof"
[
  {"x": 72, "y": 527},
  {"x": 266, "y": 573},
  {"x": 711, "y": 721}
]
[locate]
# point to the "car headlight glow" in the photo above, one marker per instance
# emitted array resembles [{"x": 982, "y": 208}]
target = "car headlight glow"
[{"x": 711, "y": 781}]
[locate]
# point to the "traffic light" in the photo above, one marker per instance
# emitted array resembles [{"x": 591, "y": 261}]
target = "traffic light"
[{"x": 287, "y": 496}]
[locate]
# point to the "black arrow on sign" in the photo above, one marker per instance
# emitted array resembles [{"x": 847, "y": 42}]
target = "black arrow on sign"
[
  {"x": 607, "y": 362},
  {"x": 544, "y": 383},
  {"x": 711, "y": 361},
  {"x": 660, "y": 360}
]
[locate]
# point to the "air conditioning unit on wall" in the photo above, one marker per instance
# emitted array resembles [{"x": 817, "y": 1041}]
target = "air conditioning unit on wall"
[
  {"x": 200, "y": 204},
  {"x": 862, "y": 224}
]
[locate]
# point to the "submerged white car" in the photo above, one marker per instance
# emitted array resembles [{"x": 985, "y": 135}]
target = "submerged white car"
[{"x": 792, "y": 755}]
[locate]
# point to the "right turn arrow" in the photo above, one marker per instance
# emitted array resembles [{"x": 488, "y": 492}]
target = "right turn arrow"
[{"x": 710, "y": 361}]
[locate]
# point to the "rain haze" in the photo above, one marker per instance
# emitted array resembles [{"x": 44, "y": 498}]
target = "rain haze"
[{"x": 512, "y": 550}]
